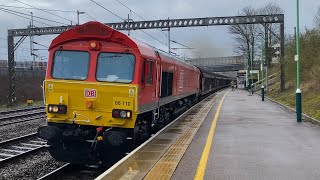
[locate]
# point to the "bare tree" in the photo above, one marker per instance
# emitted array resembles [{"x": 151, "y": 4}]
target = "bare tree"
[
  {"x": 272, "y": 29},
  {"x": 245, "y": 35},
  {"x": 317, "y": 18}
]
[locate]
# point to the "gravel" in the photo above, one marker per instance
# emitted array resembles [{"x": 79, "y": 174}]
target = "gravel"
[
  {"x": 38, "y": 164},
  {"x": 31, "y": 167},
  {"x": 20, "y": 129}
]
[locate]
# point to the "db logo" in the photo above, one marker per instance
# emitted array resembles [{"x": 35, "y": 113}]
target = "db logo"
[{"x": 90, "y": 93}]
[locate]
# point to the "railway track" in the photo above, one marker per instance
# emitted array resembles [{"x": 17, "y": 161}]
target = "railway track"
[
  {"x": 21, "y": 146},
  {"x": 56, "y": 173},
  {"x": 21, "y": 110},
  {"x": 23, "y": 119},
  {"x": 21, "y": 115},
  {"x": 70, "y": 171}
]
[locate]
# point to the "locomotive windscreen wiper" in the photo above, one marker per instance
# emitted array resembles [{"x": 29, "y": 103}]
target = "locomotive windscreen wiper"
[
  {"x": 59, "y": 51},
  {"x": 110, "y": 56}
]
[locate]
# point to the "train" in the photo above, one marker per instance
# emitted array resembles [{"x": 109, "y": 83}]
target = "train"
[{"x": 105, "y": 91}]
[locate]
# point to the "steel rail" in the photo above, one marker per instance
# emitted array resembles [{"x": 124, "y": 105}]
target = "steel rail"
[
  {"x": 21, "y": 114},
  {"x": 56, "y": 173},
  {"x": 30, "y": 118},
  {"x": 19, "y": 147},
  {"x": 6, "y": 142},
  {"x": 22, "y": 109}
]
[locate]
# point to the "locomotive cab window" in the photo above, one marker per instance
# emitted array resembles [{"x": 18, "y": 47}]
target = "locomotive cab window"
[
  {"x": 149, "y": 72},
  {"x": 70, "y": 65},
  {"x": 143, "y": 72},
  {"x": 115, "y": 67}
]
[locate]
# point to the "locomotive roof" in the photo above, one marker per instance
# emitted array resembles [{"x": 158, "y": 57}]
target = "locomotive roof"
[
  {"x": 95, "y": 30},
  {"x": 98, "y": 31}
]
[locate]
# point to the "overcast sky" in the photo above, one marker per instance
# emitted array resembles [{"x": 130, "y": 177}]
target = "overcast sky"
[{"x": 208, "y": 41}]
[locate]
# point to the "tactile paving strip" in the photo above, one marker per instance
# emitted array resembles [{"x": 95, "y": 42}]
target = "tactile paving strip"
[
  {"x": 165, "y": 167},
  {"x": 159, "y": 157}
]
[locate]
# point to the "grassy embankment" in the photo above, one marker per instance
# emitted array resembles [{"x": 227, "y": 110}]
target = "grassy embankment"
[{"x": 310, "y": 74}]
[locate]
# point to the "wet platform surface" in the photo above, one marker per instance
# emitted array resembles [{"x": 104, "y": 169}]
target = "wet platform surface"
[
  {"x": 159, "y": 157},
  {"x": 254, "y": 140}
]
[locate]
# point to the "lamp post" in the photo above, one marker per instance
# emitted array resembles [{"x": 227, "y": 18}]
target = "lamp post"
[
  {"x": 248, "y": 72},
  {"x": 297, "y": 58},
  {"x": 251, "y": 78},
  {"x": 261, "y": 58},
  {"x": 246, "y": 64}
]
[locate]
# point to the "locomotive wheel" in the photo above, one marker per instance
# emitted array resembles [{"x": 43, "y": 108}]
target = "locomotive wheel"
[
  {"x": 141, "y": 132},
  {"x": 75, "y": 153}
]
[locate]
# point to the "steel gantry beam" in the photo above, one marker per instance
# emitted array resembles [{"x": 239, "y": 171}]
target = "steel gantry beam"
[
  {"x": 154, "y": 24},
  {"x": 223, "y": 67},
  {"x": 167, "y": 23},
  {"x": 211, "y": 61}
]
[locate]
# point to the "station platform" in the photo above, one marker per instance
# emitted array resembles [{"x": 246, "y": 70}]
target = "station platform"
[
  {"x": 237, "y": 137},
  {"x": 254, "y": 140}
]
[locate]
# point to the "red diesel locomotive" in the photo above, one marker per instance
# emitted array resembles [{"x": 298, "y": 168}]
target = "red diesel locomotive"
[{"x": 105, "y": 90}]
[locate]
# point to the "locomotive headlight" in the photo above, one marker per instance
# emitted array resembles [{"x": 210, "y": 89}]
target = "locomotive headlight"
[
  {"x": 55, "y": 109},
  {"x": 123, "y": 114},
  {"x": 93, "y": 45},
  {"x": 129, "y": 114},
  {"x": 119, "y": 113},
  {"x": 58, "y": 109}
]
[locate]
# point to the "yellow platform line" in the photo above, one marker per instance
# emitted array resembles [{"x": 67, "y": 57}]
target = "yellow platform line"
[{"x": 205, "y": 153}]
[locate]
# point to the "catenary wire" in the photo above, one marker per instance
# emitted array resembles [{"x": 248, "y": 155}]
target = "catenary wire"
[
  {"x": 90, "y": 16},
  {"x": 107, "y": 10},
  {"x": 20, "y": 7},
  {"x": 45, "y": 11},
  {"x": 25, "y": 17},
  {"x": 125, "y": 21},
  {"x": 137, "y": 14},
  {"x": 39, "y": 44},
  {"x": 145, "y": 20},
  {"x": 33, "y": 16}
]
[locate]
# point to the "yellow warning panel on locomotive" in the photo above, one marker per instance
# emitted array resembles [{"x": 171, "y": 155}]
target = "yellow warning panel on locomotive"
[
  {"x": 122, "y": 103},
  {"x": 57, "y": 98}
]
